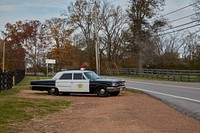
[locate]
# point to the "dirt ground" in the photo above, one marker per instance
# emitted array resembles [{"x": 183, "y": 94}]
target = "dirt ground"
[{"x": 126, "y": 113}]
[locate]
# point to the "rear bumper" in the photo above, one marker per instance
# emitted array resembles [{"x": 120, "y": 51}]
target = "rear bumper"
[{"x": 118, "y": 88}]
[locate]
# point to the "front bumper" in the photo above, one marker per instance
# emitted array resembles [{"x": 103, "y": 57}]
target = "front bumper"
[{"x": 117, "y": 88}]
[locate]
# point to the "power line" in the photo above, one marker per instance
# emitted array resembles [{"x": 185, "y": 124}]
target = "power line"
[
  {"x": 180, "y": 25},
  {"x": 179, "y": 9},
  {"x": 183, "y": 17},
  {"x": 179, "y": 30}
]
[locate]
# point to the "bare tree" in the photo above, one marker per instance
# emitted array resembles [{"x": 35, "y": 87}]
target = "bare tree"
[
  {"x": 196, "y": 10},
  {"x": 112, "y": 27},
  {"x": 80, "y": 16},
  {"x": 169, "y": 50},
  {"x": 191, "y": 53},
  {"x": 143, "y": 25}
]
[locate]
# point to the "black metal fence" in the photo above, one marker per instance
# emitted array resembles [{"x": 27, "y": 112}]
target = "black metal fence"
[
  {"x": 174, "y": 75},
  {"x": 19, "y": 76},
  {"x": 10, "y": 78}
]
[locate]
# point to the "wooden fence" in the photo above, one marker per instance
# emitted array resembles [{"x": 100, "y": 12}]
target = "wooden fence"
[
  {"x": 10, "y": 78},
  {"x": 173, "y": 75}
]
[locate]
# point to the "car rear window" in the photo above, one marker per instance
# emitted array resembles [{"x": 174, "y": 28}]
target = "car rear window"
[{"x": 67, "y": 76}]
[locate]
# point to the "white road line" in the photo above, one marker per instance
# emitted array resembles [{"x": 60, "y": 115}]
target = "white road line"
[
  {"x": 169, "y": 95},
  {"x": 158, "y": 84}
]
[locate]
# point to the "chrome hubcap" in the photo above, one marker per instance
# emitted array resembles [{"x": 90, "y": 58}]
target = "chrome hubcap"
[
  {"x": 53, "y": 90},
  {"x": 102, "y": 91}
]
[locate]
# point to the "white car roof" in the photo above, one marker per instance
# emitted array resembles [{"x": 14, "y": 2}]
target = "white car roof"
[{"x": 57, "y": 76}]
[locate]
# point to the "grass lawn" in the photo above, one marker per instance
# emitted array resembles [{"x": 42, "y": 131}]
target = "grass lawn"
[{"x": 14, "y": 109}]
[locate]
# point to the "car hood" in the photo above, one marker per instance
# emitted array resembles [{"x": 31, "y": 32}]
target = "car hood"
[{"x": 108, "y": 80}]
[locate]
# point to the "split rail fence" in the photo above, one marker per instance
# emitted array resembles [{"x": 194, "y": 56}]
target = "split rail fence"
[{"x": 171, "y": 75}]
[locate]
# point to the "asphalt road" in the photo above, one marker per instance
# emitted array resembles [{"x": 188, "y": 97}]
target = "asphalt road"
[{"x": 184, "y": 97}]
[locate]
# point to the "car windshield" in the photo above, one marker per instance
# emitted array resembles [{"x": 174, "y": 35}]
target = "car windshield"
[{"x": 91, "y": 75}]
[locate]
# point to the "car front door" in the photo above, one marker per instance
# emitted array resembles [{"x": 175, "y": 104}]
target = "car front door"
[{"x": 80, "y": 83}]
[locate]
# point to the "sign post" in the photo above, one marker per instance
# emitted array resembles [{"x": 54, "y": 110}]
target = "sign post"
[{"x": 50, "y": 61}]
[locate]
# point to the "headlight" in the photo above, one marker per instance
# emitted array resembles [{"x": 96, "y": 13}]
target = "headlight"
[
  {"x": 114, "y": 84},
  {"x": 123, "y": 83}
]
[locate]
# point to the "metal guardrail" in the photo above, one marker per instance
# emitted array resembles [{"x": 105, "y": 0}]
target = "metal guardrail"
[{"x": 171, "y": 75}]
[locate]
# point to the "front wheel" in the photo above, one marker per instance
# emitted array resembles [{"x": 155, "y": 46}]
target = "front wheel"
[
  {"x": 102, "y": 92},
  {"x": 53, "y": 91}
]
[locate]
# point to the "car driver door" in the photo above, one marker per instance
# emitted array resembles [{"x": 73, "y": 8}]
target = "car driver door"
[{"x": 80, "y": 83}]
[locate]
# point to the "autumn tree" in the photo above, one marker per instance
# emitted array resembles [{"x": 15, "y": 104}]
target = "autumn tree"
[
  {"x": 35, "y": 44},
  {"x": 143, "y": 25},
  {"x": 62, "y": 51},
  {"x": 68, "y": 56},
  {"x": 14, "y": 51},
  {"x": 29, "y": 36}
]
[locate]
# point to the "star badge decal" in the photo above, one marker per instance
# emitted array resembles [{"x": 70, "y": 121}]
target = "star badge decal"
[{"x": 80, "y": 86}]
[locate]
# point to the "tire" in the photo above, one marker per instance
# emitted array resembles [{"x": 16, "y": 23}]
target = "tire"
[
  {"x": 116, "y": 93},
  {"x": 102, "y": 92},
  {"x": 53, "y": 91}
]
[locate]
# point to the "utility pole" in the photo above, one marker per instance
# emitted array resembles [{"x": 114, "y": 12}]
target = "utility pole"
[
  {"x": 97, "y": 40},
  {"x": 4, "y": 45}
]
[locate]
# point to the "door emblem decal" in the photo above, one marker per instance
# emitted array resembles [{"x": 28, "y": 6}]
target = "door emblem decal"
[{"x": 80, "y": 86}]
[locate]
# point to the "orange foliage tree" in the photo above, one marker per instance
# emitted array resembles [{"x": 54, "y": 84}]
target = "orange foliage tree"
[
  {"x": 65, "y": 54},
  {"x": 68, "y": 57},
  {"x": 14, "y": 51}
]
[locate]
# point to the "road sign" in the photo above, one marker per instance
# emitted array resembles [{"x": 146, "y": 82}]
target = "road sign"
[{"x": 50, "y": 61}]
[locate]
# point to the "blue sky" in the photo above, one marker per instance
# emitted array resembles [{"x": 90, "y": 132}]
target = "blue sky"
[{"x": 15, "y": 10}]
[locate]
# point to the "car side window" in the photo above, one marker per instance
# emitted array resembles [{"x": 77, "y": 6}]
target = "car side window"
[
  {"x": 78, "y": 76},
  {"x": 67, "y": 76}
]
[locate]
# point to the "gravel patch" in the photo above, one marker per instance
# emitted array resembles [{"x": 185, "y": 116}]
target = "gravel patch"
[{"x": 128, "y": 113}]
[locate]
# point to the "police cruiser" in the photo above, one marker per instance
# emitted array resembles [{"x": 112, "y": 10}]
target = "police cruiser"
[{"x": 79, "y": 81}]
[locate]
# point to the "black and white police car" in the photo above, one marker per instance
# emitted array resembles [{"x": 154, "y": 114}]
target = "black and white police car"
[{"x": 79, "y": 81}]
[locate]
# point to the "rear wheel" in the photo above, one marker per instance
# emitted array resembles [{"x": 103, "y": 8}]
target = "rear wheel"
[
  {"x": 116, "y": 93},
  {"x": 53, "y": 91},
  {"x": 102, "y": 92}
]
